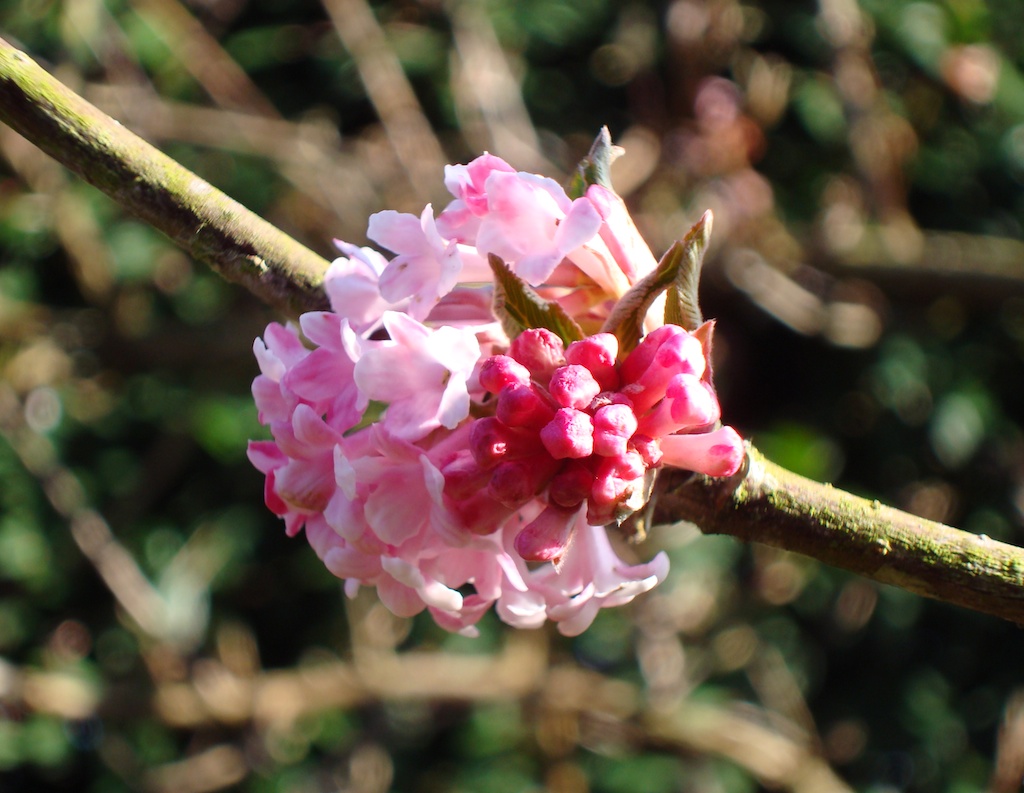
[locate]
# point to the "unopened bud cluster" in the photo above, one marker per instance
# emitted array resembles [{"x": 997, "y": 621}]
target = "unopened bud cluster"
[{"x": 572, "y": 426}]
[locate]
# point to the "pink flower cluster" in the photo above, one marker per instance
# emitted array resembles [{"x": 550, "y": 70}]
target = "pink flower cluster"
[{"x": 429, "y": 455}]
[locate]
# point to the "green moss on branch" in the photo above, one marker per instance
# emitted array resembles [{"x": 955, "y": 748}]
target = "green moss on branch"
[
  {"x": 768, "y": 504},
  {"x": 205, "y": 222}
]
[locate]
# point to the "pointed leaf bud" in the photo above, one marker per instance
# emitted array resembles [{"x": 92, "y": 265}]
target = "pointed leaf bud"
[{"x": 682, "y": 307}]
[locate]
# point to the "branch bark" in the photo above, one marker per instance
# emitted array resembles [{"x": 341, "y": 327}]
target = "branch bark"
[
  {"x": 206, "y": 223},
  {"x": 764, "y": 503}
]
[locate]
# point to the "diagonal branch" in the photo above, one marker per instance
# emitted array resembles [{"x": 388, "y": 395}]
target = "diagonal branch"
[
  {"x": 209, "y": 225},
  {"x": 766, "y": 503}
]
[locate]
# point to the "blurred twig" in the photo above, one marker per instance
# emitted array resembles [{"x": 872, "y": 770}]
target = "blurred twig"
[
  {"x": 201, "y": 54},
  {"x": 313, "y": 160},
  {"x": 880, "y": 141},
  {"x": 573, "y": 697},
  {"x": 776, "y": 760},
  {"x": 206, "y": 223},
  {"x": 246, "y": 117},
  {"x": 1009, "y": 761},
  {"x": 174, "y": 613},
  {"x": 115, "y": 565},
  {"x": 488, "y": 96},
  {"x": 955, "y": 254},
  {"x": 743, "y": 735},
  {"x": 279, "y": 697},
  {"x": 387, "y": 87},
  {"x": 73, "y": 223},
  {"x": 60, "y": 693},
  {"x": 212, "y": 769}
]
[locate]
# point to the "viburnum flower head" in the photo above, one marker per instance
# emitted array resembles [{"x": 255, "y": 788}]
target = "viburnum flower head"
[{"x": 475, "y": 413}]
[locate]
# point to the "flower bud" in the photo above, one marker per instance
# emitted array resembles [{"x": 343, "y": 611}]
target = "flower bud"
[
  {"x": 679, "y": 354},
  {"x": 718, "y": 453},
  {"x": 648, "y": 448},
  {"x": 540, "y": 351},
  {"x": 573, "y": 386},
  {"x": 523, "y": 406},
  {"x": 492, "y": 442},
  {"x": 515, "y": 482},
  {"x": 478, "y": 514},
  {"x": 570, "y": 434},
  {"x": 614, "y": 425},
  {"x": 620, "y": 234},
  {"x": 463, "y": 475},
  {"x": 500, "y": 371},
  {"x": 571, "y": 486},
  {"x": 597, "y": 353},
  {"x": 614, "y": 483},
  {"x": 642, "y": 355},
  {"x": 687, "y": 404},
  {"x": 547, "y": 537}
]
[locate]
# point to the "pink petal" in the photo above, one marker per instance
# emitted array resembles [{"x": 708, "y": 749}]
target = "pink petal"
[
  {"x": 265, "y": 456},
  {"x": 400, "y": 600}
]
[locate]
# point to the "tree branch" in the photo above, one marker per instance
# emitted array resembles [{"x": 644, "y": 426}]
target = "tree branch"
[
  {"x": 767, "y": 504},
  {"x": 207, "y": 224},
  {"x": 764, "y": 503}
]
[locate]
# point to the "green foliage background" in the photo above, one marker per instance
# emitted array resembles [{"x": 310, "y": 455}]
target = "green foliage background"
[{"x": 864, "y": 163}]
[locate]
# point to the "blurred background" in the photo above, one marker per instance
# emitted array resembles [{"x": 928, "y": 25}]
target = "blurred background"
[{"x": 864, "y": 162}]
